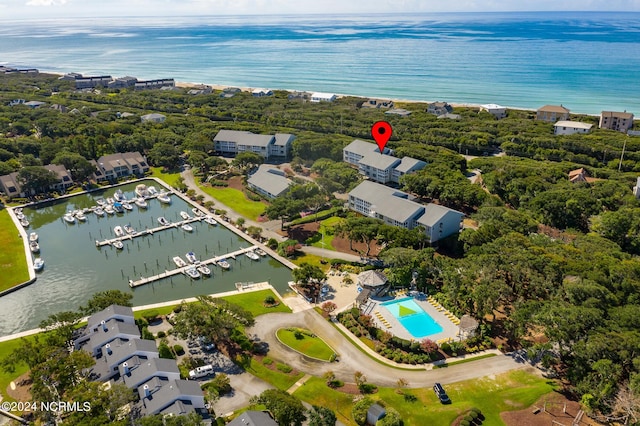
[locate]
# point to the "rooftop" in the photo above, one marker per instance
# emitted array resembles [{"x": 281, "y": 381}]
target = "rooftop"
[
  {"x": 361, "y": 147},
  {"x": 573, "y": 124},
  {"x": 108, "y": 313},
  {"x": 269, "y": 179},
  {"x": 379, "y": 161},
  {"x": 433, "y": 213},
  {"x": 554, "y": 108},
  {"x": 408, "y": 163}
]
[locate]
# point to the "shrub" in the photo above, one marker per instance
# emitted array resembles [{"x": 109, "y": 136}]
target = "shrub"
[
  {"x": 267, "y": 361},
  {"x": 298, "y": 335},
  {"x": 367, "y": 388},
  {"x": 446, "y": 347},
  {"x": 165, "y": 352},
  {"x": 178, "y": 349},
  {"x": 335, "y": 384},
  {"x": 147, "y": 335},
  {"x": 464, "y": 423},
  {"x": 269, "y": 300},
  {"x": 151, "y": 315},
  {"x": 284, "y": 368},
  {"x": 177, "y": 309},
  {"x": 359, "y": 411},
  {"x": 161, "y": 334}
]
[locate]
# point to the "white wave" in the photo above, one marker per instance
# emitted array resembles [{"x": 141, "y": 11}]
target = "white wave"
[{"x": 112, "y": 35}]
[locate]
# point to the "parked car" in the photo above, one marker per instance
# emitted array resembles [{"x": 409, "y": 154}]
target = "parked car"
[
  {"x": 209, "y": 347},
  {"x": 441, "y": 394}
]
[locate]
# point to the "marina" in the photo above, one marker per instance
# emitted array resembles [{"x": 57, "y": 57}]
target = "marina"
[{"x": 131, "y": 234}]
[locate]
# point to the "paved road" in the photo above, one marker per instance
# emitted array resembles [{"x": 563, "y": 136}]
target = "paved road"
[{"x": 352, "y": 359}]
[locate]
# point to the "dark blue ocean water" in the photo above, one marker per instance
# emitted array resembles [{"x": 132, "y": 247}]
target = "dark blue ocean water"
[{"x": 585, "y": 61}]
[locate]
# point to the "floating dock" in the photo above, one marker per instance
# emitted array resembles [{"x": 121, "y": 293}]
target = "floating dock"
[
  {"x": 148, "y": 231},
  {"x": 172, "y": 272}
]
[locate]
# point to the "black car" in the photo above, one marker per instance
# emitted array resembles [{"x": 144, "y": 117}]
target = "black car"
[{"x": 441, "y": 394}]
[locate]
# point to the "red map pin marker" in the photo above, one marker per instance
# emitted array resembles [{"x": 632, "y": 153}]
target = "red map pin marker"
[{"x": 381, "y": 132}]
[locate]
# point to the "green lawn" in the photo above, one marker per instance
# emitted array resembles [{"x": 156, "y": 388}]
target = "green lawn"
[
  {"x": 170, "y": 178},
  {"x": 237, "y": 201},
  {"x": 253, "y": 302},
  {"x": 165, "y": 310},
  {"x": 13, "y": 260},
  {"x": 312, "y": 259},
  {"x": 5, "y": 378},
  {"x": 277, "y": 378},
  {"x": 515, "y": 390},
  {"x": 325, "y": 225},
  {"x": 314, "y": 347}
]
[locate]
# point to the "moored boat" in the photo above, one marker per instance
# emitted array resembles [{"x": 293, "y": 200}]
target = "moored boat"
[
  {"x": 34, "y": 247},
  {"x": 101, "y": 202},
  {"x": 251, "y": 255},
  {"x": 69, "y": 218},
  {"x": 38, "y": 264},
  {"x": 81, "y": 216},
  {"x": 25, "y": 223},
  {"x": 187, "y": 227},
  {"x": 179, "y": 261},
  {"x": 17, "y": 210},
  {"x": 163, "y": 221},
  {"x": 152, "y": 190},
  {"x": 127, "y": 206},
  {"x": 110, "y": 200},
  {"x": 99, "y": 211},
  {"x": 129, "y": 229},
  {"x": 119, "y": 196},
  {"x": 191, "y": 257},
  {"x": 141, "y": 190},
  {"x": 192, "y": 273},
  {"x": 163, "y": 197},
  {"x": 20, "y": 216},
  {"x": 184, "y": 215},
  {"x": 211, "y": 221},
  {"x": 109, "y": 209},
  {"x": 118, "y": 244},
  {"x": 33, "y": 236},
  {"x": 203, "y": 269},
  {"x": 223, "y": 264},
  {"x": 196, "y": 211},
  {"x": 140, "y": 202},
  {"x": 260, "y": 252},
  {"x": 118, "y": 231},
  {"x": 117, "y": 206}
]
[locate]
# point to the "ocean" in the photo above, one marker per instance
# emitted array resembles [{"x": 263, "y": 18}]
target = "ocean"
[{"x": 588, "y": 62}]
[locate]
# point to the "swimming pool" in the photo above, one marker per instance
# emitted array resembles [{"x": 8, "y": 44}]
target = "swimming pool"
[{"x": 412, "y": 317}]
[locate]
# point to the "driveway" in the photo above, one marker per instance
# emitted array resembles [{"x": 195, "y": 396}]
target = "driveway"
[{"x": 352, "y": 359}]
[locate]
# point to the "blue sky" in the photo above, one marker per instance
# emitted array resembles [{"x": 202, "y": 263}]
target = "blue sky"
[{"x": 25, "y": 9}]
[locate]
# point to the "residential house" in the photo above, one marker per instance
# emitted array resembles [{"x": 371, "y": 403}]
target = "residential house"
[
  {"x": 619, "y": 121},
  {"x": 107, "y": 333},
  {"x": 552, "y": 113},
  {"x": 153, "y": 118},
  {"x": 636, "y": 189},
  {"x": 114, "y": 166},
  {"x": 155, "y": 84},
  {"x": 407, "y": 165},
  {"x": 157, "y": 394},
  {"x": 253, "y": 418},
  {"x": 229, "y": 92},
  {"x": 70, "y": 76},
  {"x": 261, "y": 92},
  {"x": 378, "y": 167},
  {"x": 232, "y": 142},
  {"x": 138, "y": 370},
  {"x": 92, "y": 82},
  {"x": 200, "y": 89},
  {"x": 439, "y": 108},
  {"x": 296, "y": 95},
  {"x": 393, "y": 207},
  {"x": 571, "y": 127},
  {"x": 497, "y": 111},
  {"x": 113, "y": 312},
  {"x": 123, "y": 83},
  {"x": 269, "y": 181},
  {"x": 118, "y": 352},
  {"x": 34, "y": 104},
  {"x": 450, "y": 116},
  {"x": 357, "y": 149},
  {"x": 581, "y": 175},
  {"x": 10, "y": 185},
  {"x": 323, "y": 97},
  {"x": 378, "y": 103},
  {"x": 381, "y": 168},
  {"x": 398, "y": 111}
]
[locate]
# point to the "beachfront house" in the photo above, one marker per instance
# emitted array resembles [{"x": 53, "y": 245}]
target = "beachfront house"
[
  {"x": 571, "y": 128},
  {"x": 10, "y": 185},
  {"x": 439, "y": 108},
  {"x": 269, "y": 181},
  {"x": 496, "y": 110},
  {"x": 232, "y": 142},
  {"x": 153, "y": 118},
  {"x": 378, "y": 103},
  {"x": 155, "y": 84},
  {"x": 318, "y": 97},
  {"x": 552, "y": 113},
  {"x": 230, "y": 92},
  {"x": 123, "y": 82},
  {"x": 200, "y": 89},
  {"x": 82, "y": 82},
  {"x": 261, "y": 92},
  {"x": 121, "y": 164},
  {"x": 394, "y": 207},
  {"x": 619, "y": 121}
]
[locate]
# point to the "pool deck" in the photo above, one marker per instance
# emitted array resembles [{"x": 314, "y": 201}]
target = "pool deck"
[{"x": 385, "y": 320}]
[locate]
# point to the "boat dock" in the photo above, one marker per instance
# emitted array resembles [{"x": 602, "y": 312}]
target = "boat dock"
[
  {"x": 172, "y": 272},
  {"x": 110, "y": 241}
]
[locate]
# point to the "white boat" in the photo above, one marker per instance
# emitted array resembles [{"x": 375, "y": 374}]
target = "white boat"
[
  {"x": 179, "y": 262},
  {"x": 34, "y": 246},
  {"x": 191, "y": 257},
  {"x": 251, "y": 255},
  {"x": 110, "y": 200},
  {"x": 141, "y": 190},
  {"x": 17, "y": 210},
  {"x": 187, "y": 227},
  {"x": 163, "y": 197},
  {"x": 152, "y": 190},
  {"x": 203, "y": 269},
  {"x": 38, "y": 264},
  {"x": 127, "y": 206},
  {"x": 192, "y": 272},
  {"x": 109, "y": 209},
  {"x": 69, "y": 218},
  {"x": 163, "y": 221},
  {"x": 140, "y": 202},
  {"x": 196, "y": 211},
  {"x": 101, "y": 202},
  {"x": 118, "y": 244},
  {"x": 184, "y": 215},
  {"x": 223, "y": 264},
  {"x": 119, "y": 196},
  {"x": 80, "y": 216},
  {"x": 117, "y": 206},
  {"x": 129, "y": 229},
  {"x": 25, "y": 223},
  {"x": 211, "y": 221},
  {"x": 118, "y": 231},
  {"x": 99, "y": 211},
  {"x": 260, "y": 252},
  {"x": 33, "y": 236},
  {"x": 20, "y": 216}
]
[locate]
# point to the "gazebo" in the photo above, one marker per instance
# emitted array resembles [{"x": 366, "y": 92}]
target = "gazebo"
[
  {"x": 375, "y": 281},
  {"x": 468, "y": 326}
]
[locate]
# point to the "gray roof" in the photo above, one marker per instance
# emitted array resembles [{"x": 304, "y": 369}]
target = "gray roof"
[
  {"x": 433, "y": 213},
  {"x": 399, "y": 209},
  {"x": 243, "y": 138},
  {"x": 121, "y": 350},
  {"x": 166, "y": 392},
  {"x": 141, "y": 370},
  {"x": 253, "y": 418},
  {"x": 282, "y": 139},
  {"x": 179, "y": 408},
  {"x": 379, "y": 196},
  {"x": 399, "y": 111},
  {"x": 408, "y": 163},
  {"x": 108, "y": 313},
  {"x": 114, "y": 329},
  {"x": 269, "y": 181},
  {"x": 371, "y": 191},
  {"x": 361, "y": 148},
  {"x": 379, "y": 161},
  {"x": 372, "y": 278},
  {"x": 376, "y": 410}
]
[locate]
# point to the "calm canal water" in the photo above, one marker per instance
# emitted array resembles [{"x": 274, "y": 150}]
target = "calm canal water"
[{"x": 75, "y": 268}]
